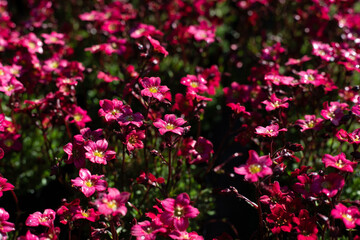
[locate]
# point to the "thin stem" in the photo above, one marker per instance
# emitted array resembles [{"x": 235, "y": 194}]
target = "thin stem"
[
  {"x": 261, "y": 223},
  {"x": 169, "y": 171},
  {"x": 123, "y": 167}
]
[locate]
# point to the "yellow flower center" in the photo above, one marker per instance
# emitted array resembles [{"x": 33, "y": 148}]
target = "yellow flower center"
[
  {"x": 348, "y": 217},
  {"x": 112, "y": 205},
  {"x": 88, "y": 183},
  {"x": 179, "y": 211},
  {"x": 78, "y": 117},
  {"x": 98, "y": 154},
  {"x": 194, "y": 84},
  {"x": 10, "y": 88},
  {"x": 255, "y": 168},
  {"x": 170, "y": 126},
  {"x": 153, "y": 89}
]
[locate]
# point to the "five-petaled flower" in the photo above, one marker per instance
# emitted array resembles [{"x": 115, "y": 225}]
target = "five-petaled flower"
[
  {"x": 255, "y": 167},
  {"x": 350, "y": 215},
  {"x": 170, "y": 124},
  {"x": 97, "y": 152},
  {"x": 89, "y": 183},
  {"x": 178, "y": 211},
  {"x": 152, "y": 88}
]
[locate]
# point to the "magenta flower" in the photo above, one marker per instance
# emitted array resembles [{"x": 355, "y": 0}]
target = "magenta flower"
[
  {"x": 350, "y": 215},
  {"x": 54, "y": 38},
  {"x": 128, "y": 117},
  {"x": 157, "y": 47},
  {"x": 5, "y": 226},
  {"x": 110, "y": 109},
  {"x": 45, "y": 219},
  {"x": 334, "y": 112},
  {"x": 200, "y": 150},
  {"x": 170, "y": 124},
  {"x": 238, "y": 109},
  {"x": 89, "y": 214},
  {"x": 280, "y": 219},
  {"x": 5, "y": 186},
  {"x": 97, "y": 152},
  {"x": 76, "y": 154},
  {"x": 79, "y": 116},
  {"x": 329, "y": 184},
  {"x": 269, "y": 131},
  {"x": 203, "y": 32},
  {"x": 10, "y": 86},
  {"x": 133, "y": 140},
  {"x": 312, "y": 77},
  {"x": 180, "y": 235},
  {"x": 195, "y": 83},
  {"x": 86, "y": 134},
  {"x": 310, "y": 122},
  {"x": 339, "y": 162},
  {"x": 152, "y": 88},
  {"x": 275, "y": 103},
  {"x": 280, "y": 80},
  {"x": 143, "y": 30},
  {"x": 147, "y": 230},
  {"x": 306, "y": 226},
  {"x": 112, "y": 203},
  {"x": 178, "y": 211},
  {"x": 107, "y": 77},
  {"x": 255, "y": 167},
  {"x": 354, "y": 137},
  {"x": 89, "y": 183}
]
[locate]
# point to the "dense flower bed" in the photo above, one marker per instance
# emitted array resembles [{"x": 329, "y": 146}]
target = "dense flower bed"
[{"x": 184, "y": 119}]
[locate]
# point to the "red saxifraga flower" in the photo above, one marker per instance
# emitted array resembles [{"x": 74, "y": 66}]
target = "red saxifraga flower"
[
  {"x": 170, "y": 124},
  {"x": 89, "y": 183},
  {"x": 178, "y": 211},
  {"x": 255, "y": 167},
  {"x": 112, "y": 203},
  {"x": 97, "y": 152},
  {"x": 152, "y": 88}
]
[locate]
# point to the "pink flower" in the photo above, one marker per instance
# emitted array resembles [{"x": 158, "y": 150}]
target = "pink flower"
[
  {"x": 142, "y": 30},
  {"x": 89, "y": 214},
  {"x": 334, "y": 112},
  {"x": 147, "y": 230},
  {"x": 133, "y": 140},
  {"x": 275, "y": 103},
  {"x": 310, "y": 122},
  {"x": 110, "y": 109},
  {"x": 293, "y": 61},
  {"x": 89, "y": 183},
  {"x": 29, "y": 236},
  {"x": 269, "y": 131},
  {"x": 152, "y": 88},
  {"x": 280, "y": 219},
  {"x": 87, "y": 135},
  {"x": 180, "y": 235},
  {"x": 76, "y": 154},
  {"x": 54, "y": 38},
  {"x": 112, "y": 203},
  {"x": 128, "y": 117},
  {"x": 5, "y": 226},
  {"x": 203, "y": 32},
  {"x": 200, "y": 150},
  {"x": 79, "y": 116},
  {"x": 339, "y": 162},
  {"x": 195, "y": 83},
  {"x": 5, "y": 186},
  {"x": 312, "y": 77},
  {"x": 10, "y": 86},
  {"x": 178, "y": 211},
  {"x": 280, "y": 80},
  {"x": 98, "y": 153},
  {"x": 157, "y": 47},
  {"x": 170, "y": 124},
  {"x": 107, "y": 77},
  {"x": 255, "y": 167},
  {"x": 45, "y": 219},
  {"x": 238, "y": 109},
  {"x": 329, "y": 184},
  {"x": 350, "y": 215},
  {"x": 306, "y": 226}
]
